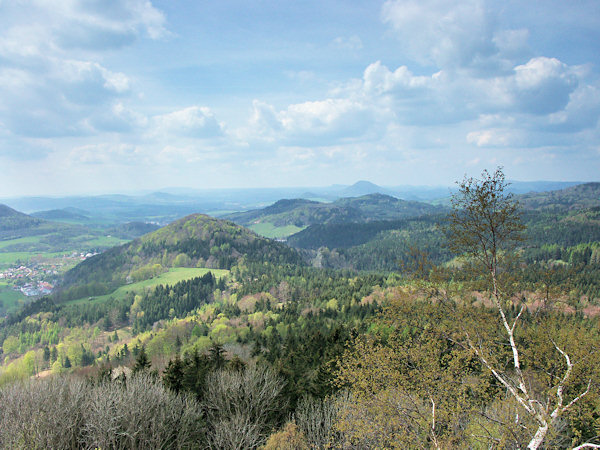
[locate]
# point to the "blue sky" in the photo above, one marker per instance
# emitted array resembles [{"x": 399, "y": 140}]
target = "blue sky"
[{"x": 117, "y": 95}]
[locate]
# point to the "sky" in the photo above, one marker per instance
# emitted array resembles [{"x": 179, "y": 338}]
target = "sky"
[{"x": 122, "y": 95}]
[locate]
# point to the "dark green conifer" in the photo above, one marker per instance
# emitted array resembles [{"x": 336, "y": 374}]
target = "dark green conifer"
[{"x": 142, "y": 361}]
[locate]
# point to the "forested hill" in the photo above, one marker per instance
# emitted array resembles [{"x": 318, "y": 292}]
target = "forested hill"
[
  {"x": 62, "y": 215},
  {"x": 297, "y": 212},
  {"x": 16, "y": 225},
  {"x": 572, "y": 198},
  {"x": 302, "y": 213},
  {"x": 194, "y": 241},
  {"x": 385, "y": 207},
  {"x": 11, "y": 220},
  {"x": 562, "y": 225}
]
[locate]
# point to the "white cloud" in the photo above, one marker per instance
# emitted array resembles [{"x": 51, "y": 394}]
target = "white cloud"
[
  {"x": 48, "y": 89},
  {"x": 322, "y": 122},
  {"x": 106, "y": 153},
  {"x": 119, "y": 119},
  {"x": 583, "y": 111},
  {"x": 455, "y": 34},
  {"x": 96, "y": 24},
  {"x": 60, "y": 102},
  {"x": 446, "y": 33},
  {"x": 491, "y": 138},
  {"x": 543, "y": 85},
  {"x": 378, "y": 79},
  {"x": 194, "y": 122}
]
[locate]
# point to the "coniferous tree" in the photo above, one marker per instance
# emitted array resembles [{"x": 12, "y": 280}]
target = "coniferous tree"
[
  {"x": 142, "y": 361},
  {"x": 173, "y": 374}
]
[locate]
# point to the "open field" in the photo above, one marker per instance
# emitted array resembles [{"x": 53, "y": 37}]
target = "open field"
[
  {"x": 171, "y": 277},
  {"x": 10, "y": 299},
  {"x": 269, "y": 230},
  {"x": 12, "y": 258},
  {"x": 24, "y": 240},
  {"x": 101, "y": 241}
]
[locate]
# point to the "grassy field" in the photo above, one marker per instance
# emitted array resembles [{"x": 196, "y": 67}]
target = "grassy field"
[
  {"x": 171, "y": 277},
  {"x": 24, "y": 240},
  {"x": 102, "y": 241},
  {"x": 269, "y": 230},
  {"x": 9, "y": 299},
  {"x": 9, "y": 259}
]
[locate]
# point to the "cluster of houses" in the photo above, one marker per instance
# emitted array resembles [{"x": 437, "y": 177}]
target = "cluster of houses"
[
  {"x": 34, "y": 289},
  {"x": 30, "y": 279},
  {"x": 27, "y": 279}
]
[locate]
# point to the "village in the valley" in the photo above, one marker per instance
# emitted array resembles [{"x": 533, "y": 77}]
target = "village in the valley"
[{"x": 37, "y": 277}]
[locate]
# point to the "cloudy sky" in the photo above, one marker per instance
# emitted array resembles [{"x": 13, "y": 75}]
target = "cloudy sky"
[{"x": 117, "y": 95}]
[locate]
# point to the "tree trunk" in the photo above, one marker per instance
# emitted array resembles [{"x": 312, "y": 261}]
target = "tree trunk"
[{"x": 537, "y": 440}]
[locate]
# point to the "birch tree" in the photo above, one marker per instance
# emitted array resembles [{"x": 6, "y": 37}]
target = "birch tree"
[{"x": 485, "y": 226}]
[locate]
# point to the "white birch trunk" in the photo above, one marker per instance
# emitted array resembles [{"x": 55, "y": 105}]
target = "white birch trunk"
[{"x": 538, "y": 438}]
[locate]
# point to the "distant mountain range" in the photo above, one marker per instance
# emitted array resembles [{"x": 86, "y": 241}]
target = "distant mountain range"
[
  {"x": 300, "y": 213},
  {"x": 369, "y": 232},
  {"x": 58, "y": 215},
  {"x": 170, "y": 204}
]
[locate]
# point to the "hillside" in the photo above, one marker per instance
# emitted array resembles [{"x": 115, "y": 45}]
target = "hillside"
[
  {"x": 15, "y": 223},
  {"x": 158, "y": 305},
  {"x": 61, "y": 215},
  {"x": 131, "y": 230},
  {"x": 385, "y": 207},
  {"x": 286, "y": 217},
  {"x": 361, "y": 188},
  {"x": 194, "y": 241},
  {"x": 571, "y": 198},
  {"x": 297, "y": 212},
  {"x": 562, "y": 225}
]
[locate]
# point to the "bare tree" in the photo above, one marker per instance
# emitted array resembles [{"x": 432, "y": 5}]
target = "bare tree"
[
  {"x": 42, "y": 414},
  {"x": 140, "y": 414},
  {"x": 485, "y": 225},
  {"x": 241, "y": 406},
  {"x": 316, "y": 418}
]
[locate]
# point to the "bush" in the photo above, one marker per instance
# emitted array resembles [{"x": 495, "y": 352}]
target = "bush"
[{"x": 67, "y": 413}]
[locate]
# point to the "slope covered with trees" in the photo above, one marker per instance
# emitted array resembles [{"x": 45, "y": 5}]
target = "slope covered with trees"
[
  {"x": 302, "y": 213},
  {"x": 194, "y": 241},
  {"x": 487, "y": 344}
]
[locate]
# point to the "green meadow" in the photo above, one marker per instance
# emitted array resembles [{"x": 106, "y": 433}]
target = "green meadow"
[
  {"x": 10, "y": 299},
  {"x": 174, "y": 275},
  {"x": 269, "y": 230}
]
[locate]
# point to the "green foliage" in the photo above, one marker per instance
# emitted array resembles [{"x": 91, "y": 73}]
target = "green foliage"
[{"x": 218, "y": 243}]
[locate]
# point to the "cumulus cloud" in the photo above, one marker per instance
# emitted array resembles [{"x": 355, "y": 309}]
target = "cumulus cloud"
[
  {"x": 378, "y": 79},
  {"x": 453, "y": 34},
  {"x": 92, "y": 25},
  {"x": 492, "y": 138},
  {"x": 543, "y": 85},
  {"x": 193, "y": 122},
  {"x": 582, "y": 111},
  {"x": 316, "y": 122},
  {"x": 46, "y": 88},
  {"x": 118, "y": 119},
  {"x": 58, "y": 103}
]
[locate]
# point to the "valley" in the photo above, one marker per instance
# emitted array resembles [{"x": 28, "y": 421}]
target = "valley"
[{"x": 310, "y": 293}]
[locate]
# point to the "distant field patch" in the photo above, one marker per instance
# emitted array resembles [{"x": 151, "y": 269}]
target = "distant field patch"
[
  {"x": 269, "y": 230},
  {"x": 24, "y": 240},
  {"x": 171, "y": 277},
  {"x": 11, "y": 258},
  {"x": 10, "y": 299},
  {"x": 103, "y": 241}
]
